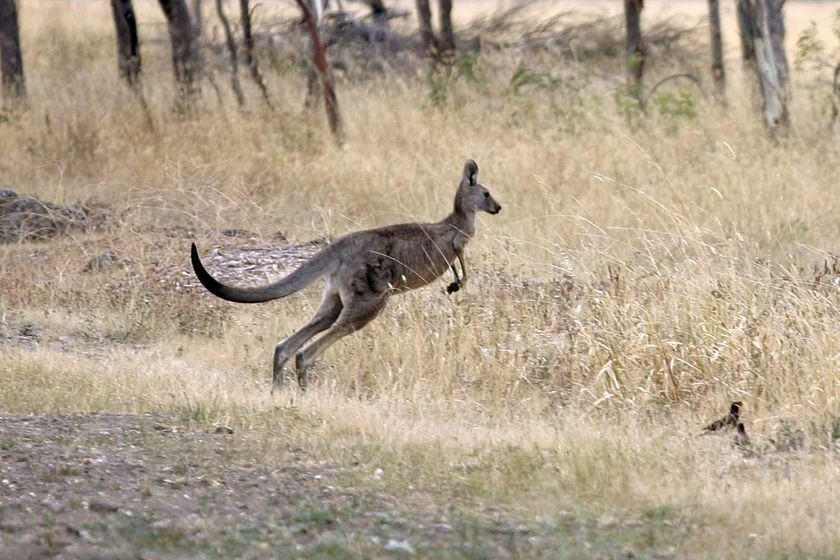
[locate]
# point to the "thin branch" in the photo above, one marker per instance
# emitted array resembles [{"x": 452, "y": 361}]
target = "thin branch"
[{"x": 234, "y": 59}]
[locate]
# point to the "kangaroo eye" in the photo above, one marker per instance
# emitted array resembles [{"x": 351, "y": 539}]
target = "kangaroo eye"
[{"x": 487, "y": 195}]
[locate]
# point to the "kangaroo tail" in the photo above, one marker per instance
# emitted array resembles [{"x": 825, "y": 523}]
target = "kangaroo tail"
[{"x": 308, "y": 272}]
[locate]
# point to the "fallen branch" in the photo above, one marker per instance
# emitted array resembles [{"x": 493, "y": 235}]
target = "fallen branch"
[{"x": 691, "y": 77}]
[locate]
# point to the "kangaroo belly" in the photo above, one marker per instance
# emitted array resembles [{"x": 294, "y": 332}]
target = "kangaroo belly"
[{"x": 422, "y": 267}]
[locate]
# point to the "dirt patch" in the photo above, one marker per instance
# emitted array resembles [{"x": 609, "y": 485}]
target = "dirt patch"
[
  {"x": 27, "y": 218},
  {"x": 141, "y": 486}
]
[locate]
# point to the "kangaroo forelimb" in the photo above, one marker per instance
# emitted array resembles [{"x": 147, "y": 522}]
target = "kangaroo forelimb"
[
  {"x": 459, "y": 280},
  {"x": 456, "y": 285}
]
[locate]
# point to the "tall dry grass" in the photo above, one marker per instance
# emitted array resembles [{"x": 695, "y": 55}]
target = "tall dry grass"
[{"x": 645, "y": 271}]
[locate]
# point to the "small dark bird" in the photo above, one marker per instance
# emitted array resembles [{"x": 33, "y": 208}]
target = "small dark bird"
[
  {"x": 742, "y": 440},
  {"x": 730, "y": 420}
]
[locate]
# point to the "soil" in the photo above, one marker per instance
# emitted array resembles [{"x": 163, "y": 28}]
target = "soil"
[
  {"x": 125, "y": 486},
  {"x": 27, "y": 218}
]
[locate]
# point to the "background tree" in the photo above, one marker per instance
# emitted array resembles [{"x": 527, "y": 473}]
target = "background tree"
[
  {"x": 128, "y": 43},
  {"x": 634, "y": 46},
  {"x": 248, "y": 50},
  {"x": 234, "y": 55},
  {"x": 446, "y": 44},
  {"x": 437, "y": 46},
  {"x": 11, "y": 61},
  {"x": 745, "y": 24},
  {"x": 323, "y": 68},
  {"x": 198, "y": 18},
  {"x": 378, "y": 12},
  {"x": 424, "y": 21},
  {"x": 186, "y": 59},
  {"x": 718, "y": 75},
  {"x": 765, "y": 22}
]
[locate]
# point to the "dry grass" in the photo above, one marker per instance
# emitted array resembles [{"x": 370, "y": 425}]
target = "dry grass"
[{"x": 644, "y": 272}]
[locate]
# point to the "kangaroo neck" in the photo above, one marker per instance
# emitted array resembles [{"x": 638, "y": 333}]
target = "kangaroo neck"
[{"x": 462, "y": 221}]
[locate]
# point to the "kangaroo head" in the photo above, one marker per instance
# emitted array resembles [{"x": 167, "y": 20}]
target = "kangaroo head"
[{"x": 473, "y": 196}]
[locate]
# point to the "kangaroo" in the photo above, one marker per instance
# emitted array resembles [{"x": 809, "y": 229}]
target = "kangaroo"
[{"x": 363, "y": 269}]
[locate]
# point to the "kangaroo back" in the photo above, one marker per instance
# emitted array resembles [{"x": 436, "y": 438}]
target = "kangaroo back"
[{"x": 307, "y": 273}]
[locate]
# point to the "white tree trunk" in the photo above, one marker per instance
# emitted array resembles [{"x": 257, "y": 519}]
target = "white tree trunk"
[{"x": 771, "y": 61}]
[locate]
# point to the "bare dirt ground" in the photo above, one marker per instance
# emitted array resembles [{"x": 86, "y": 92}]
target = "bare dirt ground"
[{"x": 141, "y": 486}]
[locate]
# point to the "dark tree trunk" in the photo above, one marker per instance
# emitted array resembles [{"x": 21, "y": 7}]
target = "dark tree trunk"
[
  {"x": 424, "y": 20},
  {"x": 234, "y": 58},
  {"x": 11, "y": 61},
  {"x": 322, "y": 66},
  {"x": 447, "y": 37},
  {"x": 248, "y": 50},
  {"x": 634, "y": 46},
  {"x": 745, "y": 29},
  {"x": 767, "y": 28},
  {"x": 835, "y": 98},
  {"x": 717, "y": 49},
  {"x": 128, "y": 43},
  {"x": 186, "y": 61},
  {"x": 378, "y": 9},
  {"x": 198, "y": 18},
  {"x": 379, "y": 16}
]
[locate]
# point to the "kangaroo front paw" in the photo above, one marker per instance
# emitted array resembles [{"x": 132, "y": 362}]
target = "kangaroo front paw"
[{"x": 453, "y": 287}]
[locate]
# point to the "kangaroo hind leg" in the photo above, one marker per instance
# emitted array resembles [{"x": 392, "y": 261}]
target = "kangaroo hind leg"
[
  {"x": 357, "y": 313},
  {"x": 328, "y": 311}
]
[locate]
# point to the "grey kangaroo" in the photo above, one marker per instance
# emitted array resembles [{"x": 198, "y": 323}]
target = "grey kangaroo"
[{"x": 363, "y": 269}]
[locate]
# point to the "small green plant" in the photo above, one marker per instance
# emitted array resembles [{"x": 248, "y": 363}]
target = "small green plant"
[
  {"x": 788, "y": 437},
  {"x": 627, "y": 100},
  {"x": 524, "y": 76},
  {"x": 311, "y": 516},
  {"x": 808, "y": 47},
  {"x": 681, "y": 104},
  {"x": 814, "y": 59},
  {"x": 443, "y": 77}
]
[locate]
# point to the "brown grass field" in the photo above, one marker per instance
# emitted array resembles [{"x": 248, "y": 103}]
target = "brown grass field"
[{"x": 646, "y": 270}]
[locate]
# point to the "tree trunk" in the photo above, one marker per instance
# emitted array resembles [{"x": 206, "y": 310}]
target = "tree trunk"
[
  {"x": 447, "y": 37},
  {"x": 198, "y": 18},
  {"x": 835, "y": 98},
  {"x": 634, "y": 46},
  {"x": 745, "y": 30},
  {"x": 717, "y": 49},
  {"x": 776, "y": 26},
  {"x": 377, "y": 9},
  {"x": 186, "y": 62},
  {"x": 234, "y": 58},
  {"x": 424, "y": 19},
  {"x": 322, "y": 65},
  {"x": 128, "y": 43},
  {"x": 248, "y": 50},
  {"x": 379, "y": 16},
  {"x": 768, "y": 34},
  {"x": 11, "y": 61}
]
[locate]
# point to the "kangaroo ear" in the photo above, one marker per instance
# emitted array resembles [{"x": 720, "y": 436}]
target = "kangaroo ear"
[{"x": 471, "y": 172}]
